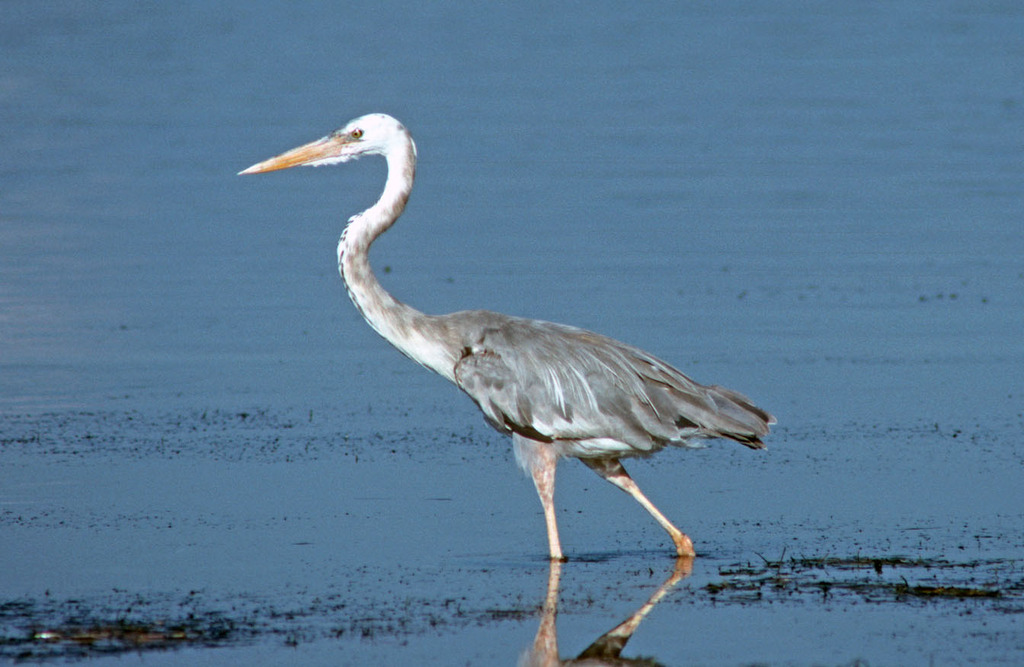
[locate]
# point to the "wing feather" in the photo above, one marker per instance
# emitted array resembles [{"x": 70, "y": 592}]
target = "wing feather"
[{"x": 555, "y": 382}]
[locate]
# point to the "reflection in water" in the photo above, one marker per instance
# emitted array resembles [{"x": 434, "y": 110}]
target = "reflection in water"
[{"x": 605, "y": 649}]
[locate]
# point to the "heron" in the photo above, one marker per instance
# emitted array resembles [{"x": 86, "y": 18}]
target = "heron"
[{"x": 558, "y": 390}]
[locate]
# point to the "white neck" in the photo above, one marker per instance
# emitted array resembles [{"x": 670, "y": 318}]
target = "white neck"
[{"x": 420, "y": 337}]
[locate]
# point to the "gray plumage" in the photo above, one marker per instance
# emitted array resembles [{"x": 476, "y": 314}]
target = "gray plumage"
[
  {"x": 558, "y": 390},
  {"x": 557, "y": 383}
]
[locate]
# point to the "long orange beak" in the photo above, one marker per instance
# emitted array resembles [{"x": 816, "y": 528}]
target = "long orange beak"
[{"x": 326, "y": 147}]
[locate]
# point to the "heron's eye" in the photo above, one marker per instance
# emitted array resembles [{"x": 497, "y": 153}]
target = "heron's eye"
[{"x": 356, "y": 133}]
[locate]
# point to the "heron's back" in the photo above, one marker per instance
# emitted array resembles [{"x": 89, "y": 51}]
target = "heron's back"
[{"x": 595, "y": 395}]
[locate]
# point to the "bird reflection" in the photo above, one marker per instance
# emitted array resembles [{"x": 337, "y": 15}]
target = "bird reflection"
[{"x": 607, "y": 648}]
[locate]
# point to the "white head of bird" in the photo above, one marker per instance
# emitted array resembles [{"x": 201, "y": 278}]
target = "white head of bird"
[{"x": 372, "y": 134}]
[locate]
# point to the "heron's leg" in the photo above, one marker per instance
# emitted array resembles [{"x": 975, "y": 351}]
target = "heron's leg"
[
  {"x": 540, "y": 459},
  {"x": 544, "y": 480},
  {"x": 612, "y": 470}
]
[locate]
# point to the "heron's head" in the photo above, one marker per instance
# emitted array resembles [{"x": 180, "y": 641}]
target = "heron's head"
[{"x": 373, "y": 134}]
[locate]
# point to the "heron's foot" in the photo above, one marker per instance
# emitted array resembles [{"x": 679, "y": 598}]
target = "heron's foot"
[
  {"x": 555, "y": 548},
  {"x": 684, "y": 546}
]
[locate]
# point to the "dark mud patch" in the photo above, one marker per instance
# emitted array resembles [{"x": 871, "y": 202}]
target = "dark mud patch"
[
  {"x": 120, "y": 623},
  {"x": 123, "y": 622},
  {"x": 888, "y": 579}
]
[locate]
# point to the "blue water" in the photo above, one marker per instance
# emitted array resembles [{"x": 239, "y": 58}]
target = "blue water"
[{"x": 817, "y": 205}]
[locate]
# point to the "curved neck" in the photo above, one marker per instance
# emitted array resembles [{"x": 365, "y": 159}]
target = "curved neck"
[{"x": 420, "y": 337}]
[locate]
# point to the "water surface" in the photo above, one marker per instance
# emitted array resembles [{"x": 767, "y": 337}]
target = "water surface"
[{"x": 817, "y": 206}]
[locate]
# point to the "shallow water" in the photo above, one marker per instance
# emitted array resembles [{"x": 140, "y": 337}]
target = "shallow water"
[{"x": 819, "y": 207}]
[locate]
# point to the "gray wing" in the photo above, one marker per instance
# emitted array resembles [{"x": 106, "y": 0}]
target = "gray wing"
[{"x": 553, "y": 382}]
